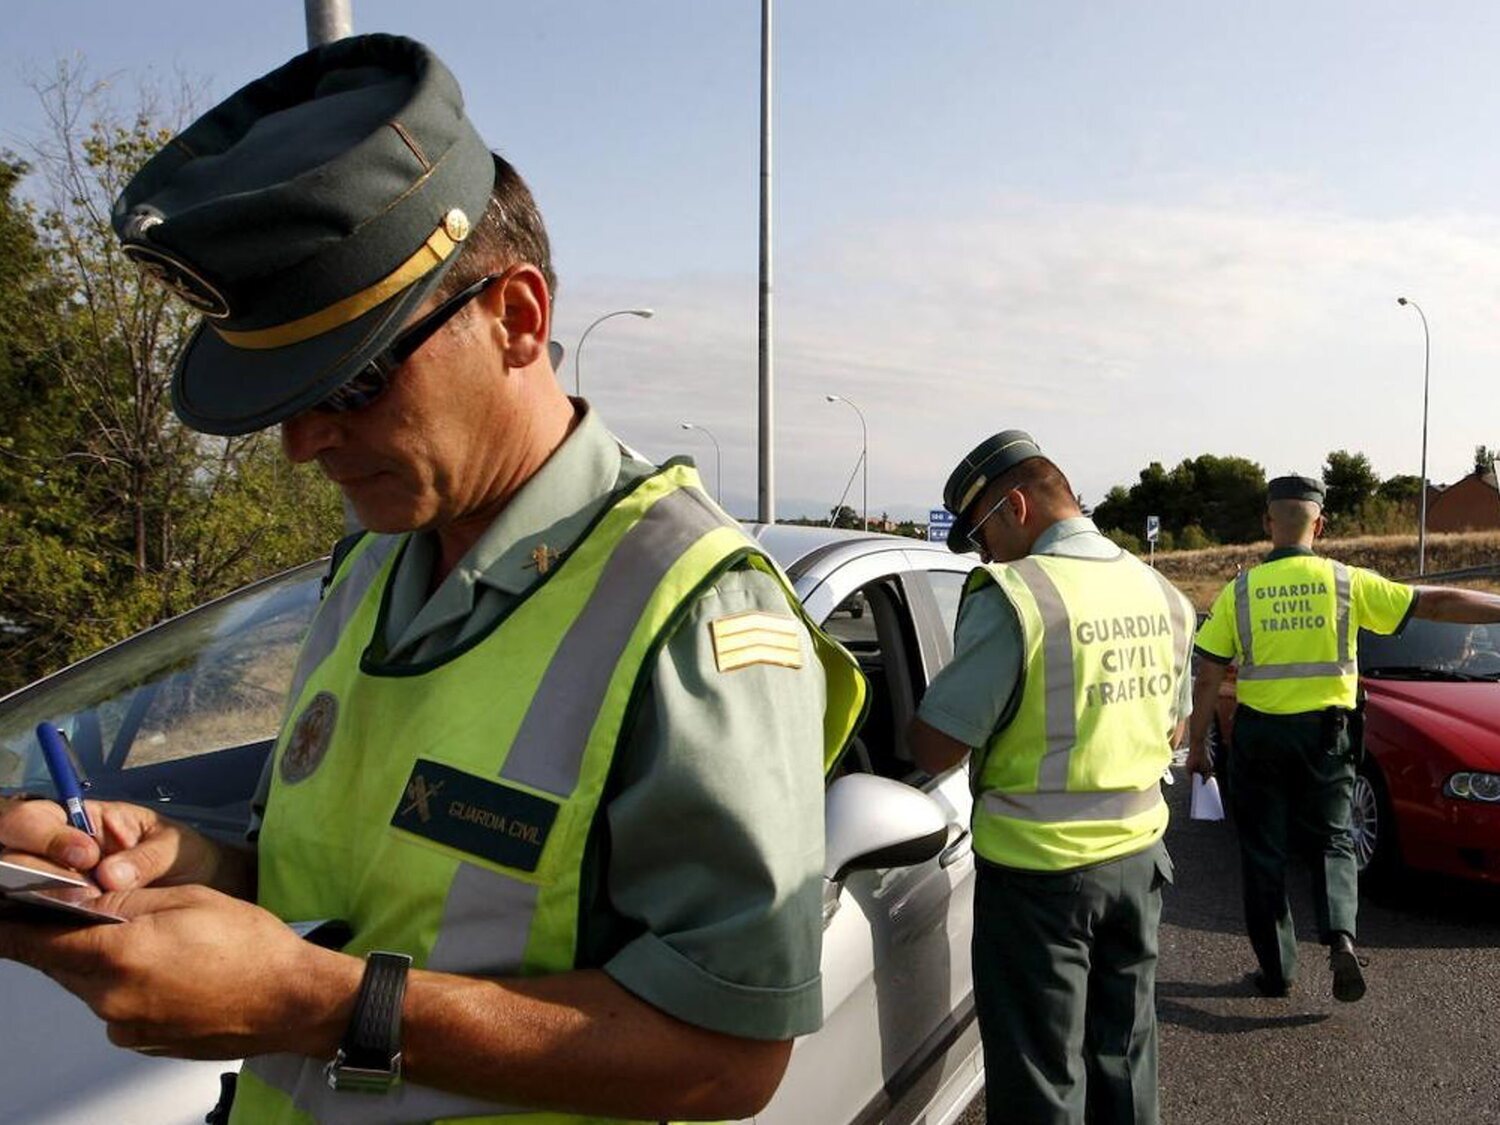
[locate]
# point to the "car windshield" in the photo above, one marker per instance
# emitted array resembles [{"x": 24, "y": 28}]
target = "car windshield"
[
  {"x": 203, "y": 691},
  {"x": 1433, "y": 650}
]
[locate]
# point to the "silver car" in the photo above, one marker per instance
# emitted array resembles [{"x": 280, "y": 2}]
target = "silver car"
[{"x": 182, "y": 716}]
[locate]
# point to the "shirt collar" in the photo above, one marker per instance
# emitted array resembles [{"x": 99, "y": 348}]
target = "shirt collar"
[
  {"x": 549, "y": 513},
  {"x": 1289, "y": 553},
  {"x": 1048, "y": 541}
]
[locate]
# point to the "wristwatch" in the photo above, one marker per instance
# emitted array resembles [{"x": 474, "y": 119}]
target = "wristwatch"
[{"x": 369, "y": 1058}]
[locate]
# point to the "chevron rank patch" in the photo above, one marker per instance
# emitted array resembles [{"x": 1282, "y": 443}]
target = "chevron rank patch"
[{"x": 743, "y": 639}]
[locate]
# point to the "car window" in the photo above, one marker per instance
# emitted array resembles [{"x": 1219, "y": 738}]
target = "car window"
[
  {"x": 948, "y": 590},
  {"x": 1432, "y": 649},
  {"x": 875, "y": 624},
  {"x": 203, "y": 687}
]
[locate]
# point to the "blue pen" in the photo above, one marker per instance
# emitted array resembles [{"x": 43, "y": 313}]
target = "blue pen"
[{"x": 64, "y": 776}]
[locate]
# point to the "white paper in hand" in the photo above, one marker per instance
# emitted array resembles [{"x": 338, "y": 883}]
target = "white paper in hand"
[{"x": 1206, "y": 804}]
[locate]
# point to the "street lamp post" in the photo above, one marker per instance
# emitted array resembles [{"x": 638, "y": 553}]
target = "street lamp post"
[
  {"x": 327, "y": 20},
  {"x": 864, "y": 455},
  {"x": 1422, "y": 500},
  {"x": 645, "y": 314},
  {"x": 718, "y": 459}
]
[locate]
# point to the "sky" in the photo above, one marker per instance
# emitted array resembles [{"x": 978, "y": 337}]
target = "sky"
[{"x": 1142, "y": 232}]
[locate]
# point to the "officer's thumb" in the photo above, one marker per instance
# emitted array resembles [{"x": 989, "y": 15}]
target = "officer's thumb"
[{"x": 139, "y": 866}]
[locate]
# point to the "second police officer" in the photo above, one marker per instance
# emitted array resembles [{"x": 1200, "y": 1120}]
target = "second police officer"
[{"x": 1069, "y": 686}]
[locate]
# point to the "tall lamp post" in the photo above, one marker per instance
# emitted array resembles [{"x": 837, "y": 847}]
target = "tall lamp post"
[
  {"x": 645, "y": 314},
  {"x": 1422, "y": 500},
  {"x": 864, "y": 454},
  {"x": 718, "y": 459}
]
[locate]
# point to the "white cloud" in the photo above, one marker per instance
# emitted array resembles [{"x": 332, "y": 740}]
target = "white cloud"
[{"x": 1116, "y": 333}]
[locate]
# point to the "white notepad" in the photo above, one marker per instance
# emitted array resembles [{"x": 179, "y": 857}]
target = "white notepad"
[{"x": 1206, "y": 803}]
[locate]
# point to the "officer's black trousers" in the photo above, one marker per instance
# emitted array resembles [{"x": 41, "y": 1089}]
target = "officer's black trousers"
[
  {"x": 1291, "y": 780},
  {"x": 1064, "y": 983}
]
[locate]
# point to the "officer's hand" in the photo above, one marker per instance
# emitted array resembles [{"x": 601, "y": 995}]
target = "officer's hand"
[
  {"x": 1199, "y": 762},
  {"x": 136, "y": 847},
  {"x": 195, "y": 974}
]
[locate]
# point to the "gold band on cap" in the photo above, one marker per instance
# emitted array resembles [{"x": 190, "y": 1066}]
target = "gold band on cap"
[
  {"x": 972, "y": 494},
  {"x": 432, "y": 253}
]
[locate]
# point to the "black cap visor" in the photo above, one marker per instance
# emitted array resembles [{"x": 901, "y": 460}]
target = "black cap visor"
[
  {"x": 958, "y": 536},
  {"x": 228, "y": 391}
]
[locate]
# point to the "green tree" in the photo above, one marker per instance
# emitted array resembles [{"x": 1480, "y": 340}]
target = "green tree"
[
  {"x": 1350, "y": 484},
  {"x": 112, "y": 514},
  {"x": 1193, "y": 538},
  {"x": 844, "y": 516},
  {"x": 1484, "y": 459},
  {"x": 1223, "y": 496},
  {"x": 1401, "y": 489}
]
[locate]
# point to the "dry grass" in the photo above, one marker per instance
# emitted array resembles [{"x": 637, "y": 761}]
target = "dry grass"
[{"x": 1201, "y": 574}]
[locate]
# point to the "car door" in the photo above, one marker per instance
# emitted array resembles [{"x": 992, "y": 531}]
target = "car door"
[
  {"x": 896, "y": 984},
  {"x": 180, "y": 718}
]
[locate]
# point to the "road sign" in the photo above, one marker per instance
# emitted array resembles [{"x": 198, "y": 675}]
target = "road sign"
[
  {"x": 1153, "y": 528},
  {"x": 939, "y": 523}
]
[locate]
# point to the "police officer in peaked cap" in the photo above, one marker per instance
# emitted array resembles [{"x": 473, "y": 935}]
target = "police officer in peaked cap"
[
  {"x": 1069, "y": 688},
  {"x": 1290, "y": 625},
  {"x": 556, "y": 740}
]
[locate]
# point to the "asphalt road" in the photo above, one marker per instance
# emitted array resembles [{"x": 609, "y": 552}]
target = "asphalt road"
[{"x": 1423, "y": 1047}]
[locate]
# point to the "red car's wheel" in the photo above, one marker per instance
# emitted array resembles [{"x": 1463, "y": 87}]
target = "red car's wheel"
[{"x": 1371, "y": 827}]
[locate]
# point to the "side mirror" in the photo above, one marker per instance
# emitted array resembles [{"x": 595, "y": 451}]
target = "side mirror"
[{"x": 875, "y": 822}]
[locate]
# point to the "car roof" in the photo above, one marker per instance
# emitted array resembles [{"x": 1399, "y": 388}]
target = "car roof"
[{"x": 801, "y": 549}]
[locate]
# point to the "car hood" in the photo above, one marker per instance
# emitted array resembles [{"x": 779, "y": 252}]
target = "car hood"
[{"x": 1463, "y": 717}]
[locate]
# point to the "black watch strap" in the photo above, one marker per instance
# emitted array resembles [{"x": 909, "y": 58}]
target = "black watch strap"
[{"x": 369, "y": 1058}]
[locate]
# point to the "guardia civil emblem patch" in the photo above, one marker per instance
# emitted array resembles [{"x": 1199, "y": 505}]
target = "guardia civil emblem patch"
[{"x": 310, "y": 738}]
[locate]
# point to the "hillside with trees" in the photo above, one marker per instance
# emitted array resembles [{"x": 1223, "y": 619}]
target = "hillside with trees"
[
  {"x": 112, "y": 514},
  {"x": 1210, "y": 500}
]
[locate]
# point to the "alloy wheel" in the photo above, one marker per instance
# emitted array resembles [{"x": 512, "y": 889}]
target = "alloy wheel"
[{"x": 1364, "y": 820}]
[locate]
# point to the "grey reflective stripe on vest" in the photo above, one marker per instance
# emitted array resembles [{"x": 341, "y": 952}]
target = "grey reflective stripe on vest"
[
  {"x": 1056, "y": 808},
  {"x": 338, "y": 608},
  {"x": 1341, "y": 607},
  {"x": 1307, "y": 669},
  {"x": 1060, "y": 718},
  {"x": 1242, "y": 621},
  {"x": 1182, "y": 631},
  {"x": 548, "y": 750},
  {"x": 1302, "y": 671},
  {"x": 487, "y": 916}
]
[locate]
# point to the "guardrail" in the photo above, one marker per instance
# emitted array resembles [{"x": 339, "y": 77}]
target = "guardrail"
[{"x": 1488, "y": 570}]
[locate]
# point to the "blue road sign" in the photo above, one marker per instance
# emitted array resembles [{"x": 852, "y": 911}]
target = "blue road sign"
[{"x": 939, "y": 523}]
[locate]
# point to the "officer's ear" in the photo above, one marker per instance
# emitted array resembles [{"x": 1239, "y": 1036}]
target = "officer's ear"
[
  {"x": 520, "y": 314},
  {"x": 1015, "y": 504},
  {"x": 1318, "y": 525}
]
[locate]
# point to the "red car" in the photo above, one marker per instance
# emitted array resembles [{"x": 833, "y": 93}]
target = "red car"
[{"x": 1428, "y": 791}]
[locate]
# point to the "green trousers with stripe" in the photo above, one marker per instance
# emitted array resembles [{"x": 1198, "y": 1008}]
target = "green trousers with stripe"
[
  {"x": 1291, "y": 778},
  {"x": 1064, "y": 985}
]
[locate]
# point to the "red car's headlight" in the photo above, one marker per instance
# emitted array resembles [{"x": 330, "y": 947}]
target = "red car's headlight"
[{"x": 1474, "y": 787}]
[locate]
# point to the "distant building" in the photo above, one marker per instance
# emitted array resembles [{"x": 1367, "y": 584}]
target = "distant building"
[{"x": 1472, "y": 504}]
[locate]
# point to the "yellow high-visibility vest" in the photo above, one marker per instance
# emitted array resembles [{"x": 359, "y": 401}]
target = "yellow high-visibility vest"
[
  {"x": 1072, "y": 779},
  {"x": 443, "y": 810}
]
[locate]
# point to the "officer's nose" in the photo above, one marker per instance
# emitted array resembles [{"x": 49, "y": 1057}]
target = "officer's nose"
[{"x": 304, "y": 436}]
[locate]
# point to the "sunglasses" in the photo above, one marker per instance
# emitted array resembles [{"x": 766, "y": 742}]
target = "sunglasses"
[
  {"x": 972, "y": 535},
  {"x": 374, "y": 378}
]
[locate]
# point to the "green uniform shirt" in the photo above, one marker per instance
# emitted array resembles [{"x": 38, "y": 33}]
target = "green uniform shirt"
[
  {"x": 718, "y": 764},
  {"x": 979, "y": 690},
  {"x": 1375, "y": 603}
]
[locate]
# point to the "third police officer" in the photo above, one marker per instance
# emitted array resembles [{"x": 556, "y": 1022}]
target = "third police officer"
[{"x": 1291, "y": 624}]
